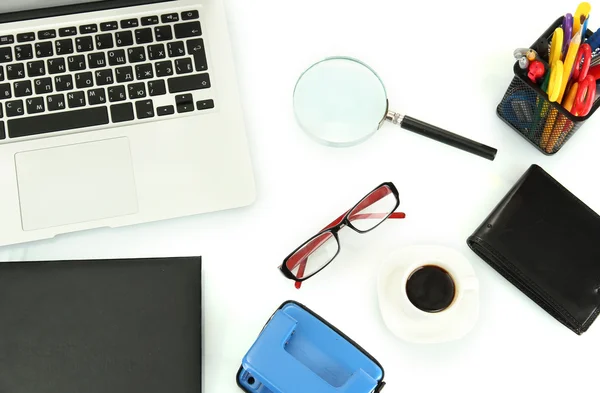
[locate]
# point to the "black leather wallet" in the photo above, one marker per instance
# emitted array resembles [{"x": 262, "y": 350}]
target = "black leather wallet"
[{"x": 545, "y": 241}]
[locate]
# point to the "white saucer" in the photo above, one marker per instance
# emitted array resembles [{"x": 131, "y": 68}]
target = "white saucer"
[{"x": 410, "y": 323}]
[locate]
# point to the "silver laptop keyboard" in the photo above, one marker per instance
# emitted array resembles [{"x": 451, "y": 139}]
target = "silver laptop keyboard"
[{"x": 113, "y": 72}]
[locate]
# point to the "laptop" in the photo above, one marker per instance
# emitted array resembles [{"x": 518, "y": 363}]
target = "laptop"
[{"x": 117, "y": 112}]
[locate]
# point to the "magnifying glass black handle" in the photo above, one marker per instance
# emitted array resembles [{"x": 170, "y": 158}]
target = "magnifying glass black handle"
[{"x": 448, "y": 138}]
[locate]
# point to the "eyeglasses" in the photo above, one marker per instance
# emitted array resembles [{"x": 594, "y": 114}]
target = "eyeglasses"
[{"x": 320, "y": 250}]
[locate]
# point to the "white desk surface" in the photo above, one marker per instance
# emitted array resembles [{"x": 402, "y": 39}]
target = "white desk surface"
[{"x": 445, "y": 62}]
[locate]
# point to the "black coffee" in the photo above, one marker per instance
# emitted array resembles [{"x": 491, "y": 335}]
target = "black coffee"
[{"x": 431, "y": 289}]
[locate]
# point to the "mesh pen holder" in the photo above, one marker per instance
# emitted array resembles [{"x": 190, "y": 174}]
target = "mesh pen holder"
[{"x": 526, "y": 109}]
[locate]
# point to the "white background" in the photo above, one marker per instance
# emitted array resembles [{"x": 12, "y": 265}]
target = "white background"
[{"x": 445, "y": 62}]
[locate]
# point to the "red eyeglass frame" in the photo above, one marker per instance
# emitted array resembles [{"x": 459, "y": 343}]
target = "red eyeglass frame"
[{"x": 345, "y": 219}]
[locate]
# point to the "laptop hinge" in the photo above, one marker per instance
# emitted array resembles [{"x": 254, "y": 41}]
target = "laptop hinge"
[{"x": 72, "y": 9}]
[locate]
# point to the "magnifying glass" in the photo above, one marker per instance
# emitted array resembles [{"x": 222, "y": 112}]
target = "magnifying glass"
[{"x": 341, "y": 102}]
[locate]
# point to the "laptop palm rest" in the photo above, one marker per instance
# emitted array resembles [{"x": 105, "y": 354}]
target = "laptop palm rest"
[{"x": 76, "y": 183}]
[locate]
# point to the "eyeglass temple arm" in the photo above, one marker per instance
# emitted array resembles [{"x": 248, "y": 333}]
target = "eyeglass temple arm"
[{"x": 374, "y": 197}]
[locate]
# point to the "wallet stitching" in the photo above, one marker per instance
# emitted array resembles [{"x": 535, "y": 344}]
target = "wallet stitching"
[{"x": 566, "y": 313}]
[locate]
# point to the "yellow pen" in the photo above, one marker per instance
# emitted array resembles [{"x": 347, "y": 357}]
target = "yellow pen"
[
  {"x": 568, "y": 64},
  {"x": 581, "y": 14}
]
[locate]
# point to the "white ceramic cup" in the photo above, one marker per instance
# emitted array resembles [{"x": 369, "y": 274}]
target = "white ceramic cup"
[{"x": 412, "y": 324}]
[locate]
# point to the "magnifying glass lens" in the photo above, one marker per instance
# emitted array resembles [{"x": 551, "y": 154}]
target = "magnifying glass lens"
[{"x": 340, "y": 102}]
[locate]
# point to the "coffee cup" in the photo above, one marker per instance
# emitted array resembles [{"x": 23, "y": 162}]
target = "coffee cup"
[{"x": 428, "y": 294}]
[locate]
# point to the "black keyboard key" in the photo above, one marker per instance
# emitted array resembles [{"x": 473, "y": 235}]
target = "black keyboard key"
[
  {"x": 121, "y": 112},
  {"x": 189, "y": 83},
  {"x": 84, "y": 44},
  {"x": 144, "y": 71},
  {"x": 186, "y": 107},
  {"x": 84, "y": 80},
  {"x": 189, "y": 29},
  {"x": 63, "y": 82},
  {"x": 104, "y": 41},
  {"x": 56, "y": 102},
  {"x": 88, "y": 29},
  {"x": 7, "y": 39},
  {"x": 137, "y": 54},
  {"x": 109, "y": 26},
  {"x": 15, "y": 71},
  {"x": 14, "y": 108},
  {"x": 116, "y": 57},
  {"x": 96, "y": 60},
  {"x": 36, "y": 68},
  {"x": 163, "y": 33},
  {"x": 184, "y": 66},
  {"x": 188, "y": 15},
  {"x": 206, "y": 104},
  {"x": 124, "y": 74},
  {"x": 144, "y": 109},
  {"x": 96, "y": 96},
  {"x": 44, "y": 49},
  {"x": 61, "y": 121},
  {"x": 104, "y": 77},
  {"x": 184, "y": 99},
  {"x": 57, "y": 66},
  {"x": 157, "y": 88},
  {"x": 23, "y": 88},
  {"x": 5, "y": 91},
  {"x": 35, "y": 105},
  {"x": 24, "y": 52},
  {"x": 2, "y": 130},
  {"x": 48, "y": 34},
  {"x": 124, "y": 38},
  {"x": 43, "y": 86},
  {"x": 150, "y": 20},
  {"x": 168, "y": 18},
  {"x": 6, "y": 55},
  {"x": 176, "y": 49},
  {"x": 156, "y": 52},
  {"x": 67, "y": 31},
  {"x": 76, "y": 99},
  {"x": 117, "y": 93},
  {"x": 64, "y": 47},
  {"x": 26, "y": 37},
  {"x": 76, "y": 63},
  {"x": 137, "y": 90},
  {"x": 164, "y": 68},
  {"x": 143, "y": 36},
  {"x": 165, "y": 110},
  {"x": 1, "y": 73},
  {"x": 195, "y": 48},
  {"x": 129, "y": 23}
]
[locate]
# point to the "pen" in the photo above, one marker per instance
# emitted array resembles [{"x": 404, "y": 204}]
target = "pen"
[
  {"x": 581, "y": 15},
  {"x": 567, "y": 27}
]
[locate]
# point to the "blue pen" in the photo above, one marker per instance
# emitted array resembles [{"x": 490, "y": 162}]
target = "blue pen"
[{"x": 584, "y": 28}]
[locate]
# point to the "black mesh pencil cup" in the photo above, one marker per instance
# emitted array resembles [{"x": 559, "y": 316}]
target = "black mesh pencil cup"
[{"x": 526, "y": 109}]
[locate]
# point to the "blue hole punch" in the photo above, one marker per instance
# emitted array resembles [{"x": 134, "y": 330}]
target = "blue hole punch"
[{"x": 299, "y": 352}]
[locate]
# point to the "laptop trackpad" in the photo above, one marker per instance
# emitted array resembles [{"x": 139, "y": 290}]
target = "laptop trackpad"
[{"x": 76, "y": 183}]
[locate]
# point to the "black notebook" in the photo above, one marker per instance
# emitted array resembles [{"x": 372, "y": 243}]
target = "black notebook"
[{"x": 118, "y": 326}]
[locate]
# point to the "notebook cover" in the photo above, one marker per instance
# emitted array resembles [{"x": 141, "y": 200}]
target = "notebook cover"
[
  {"x": 118, "y": 326},
  {"x": 544, "y": 240}
]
